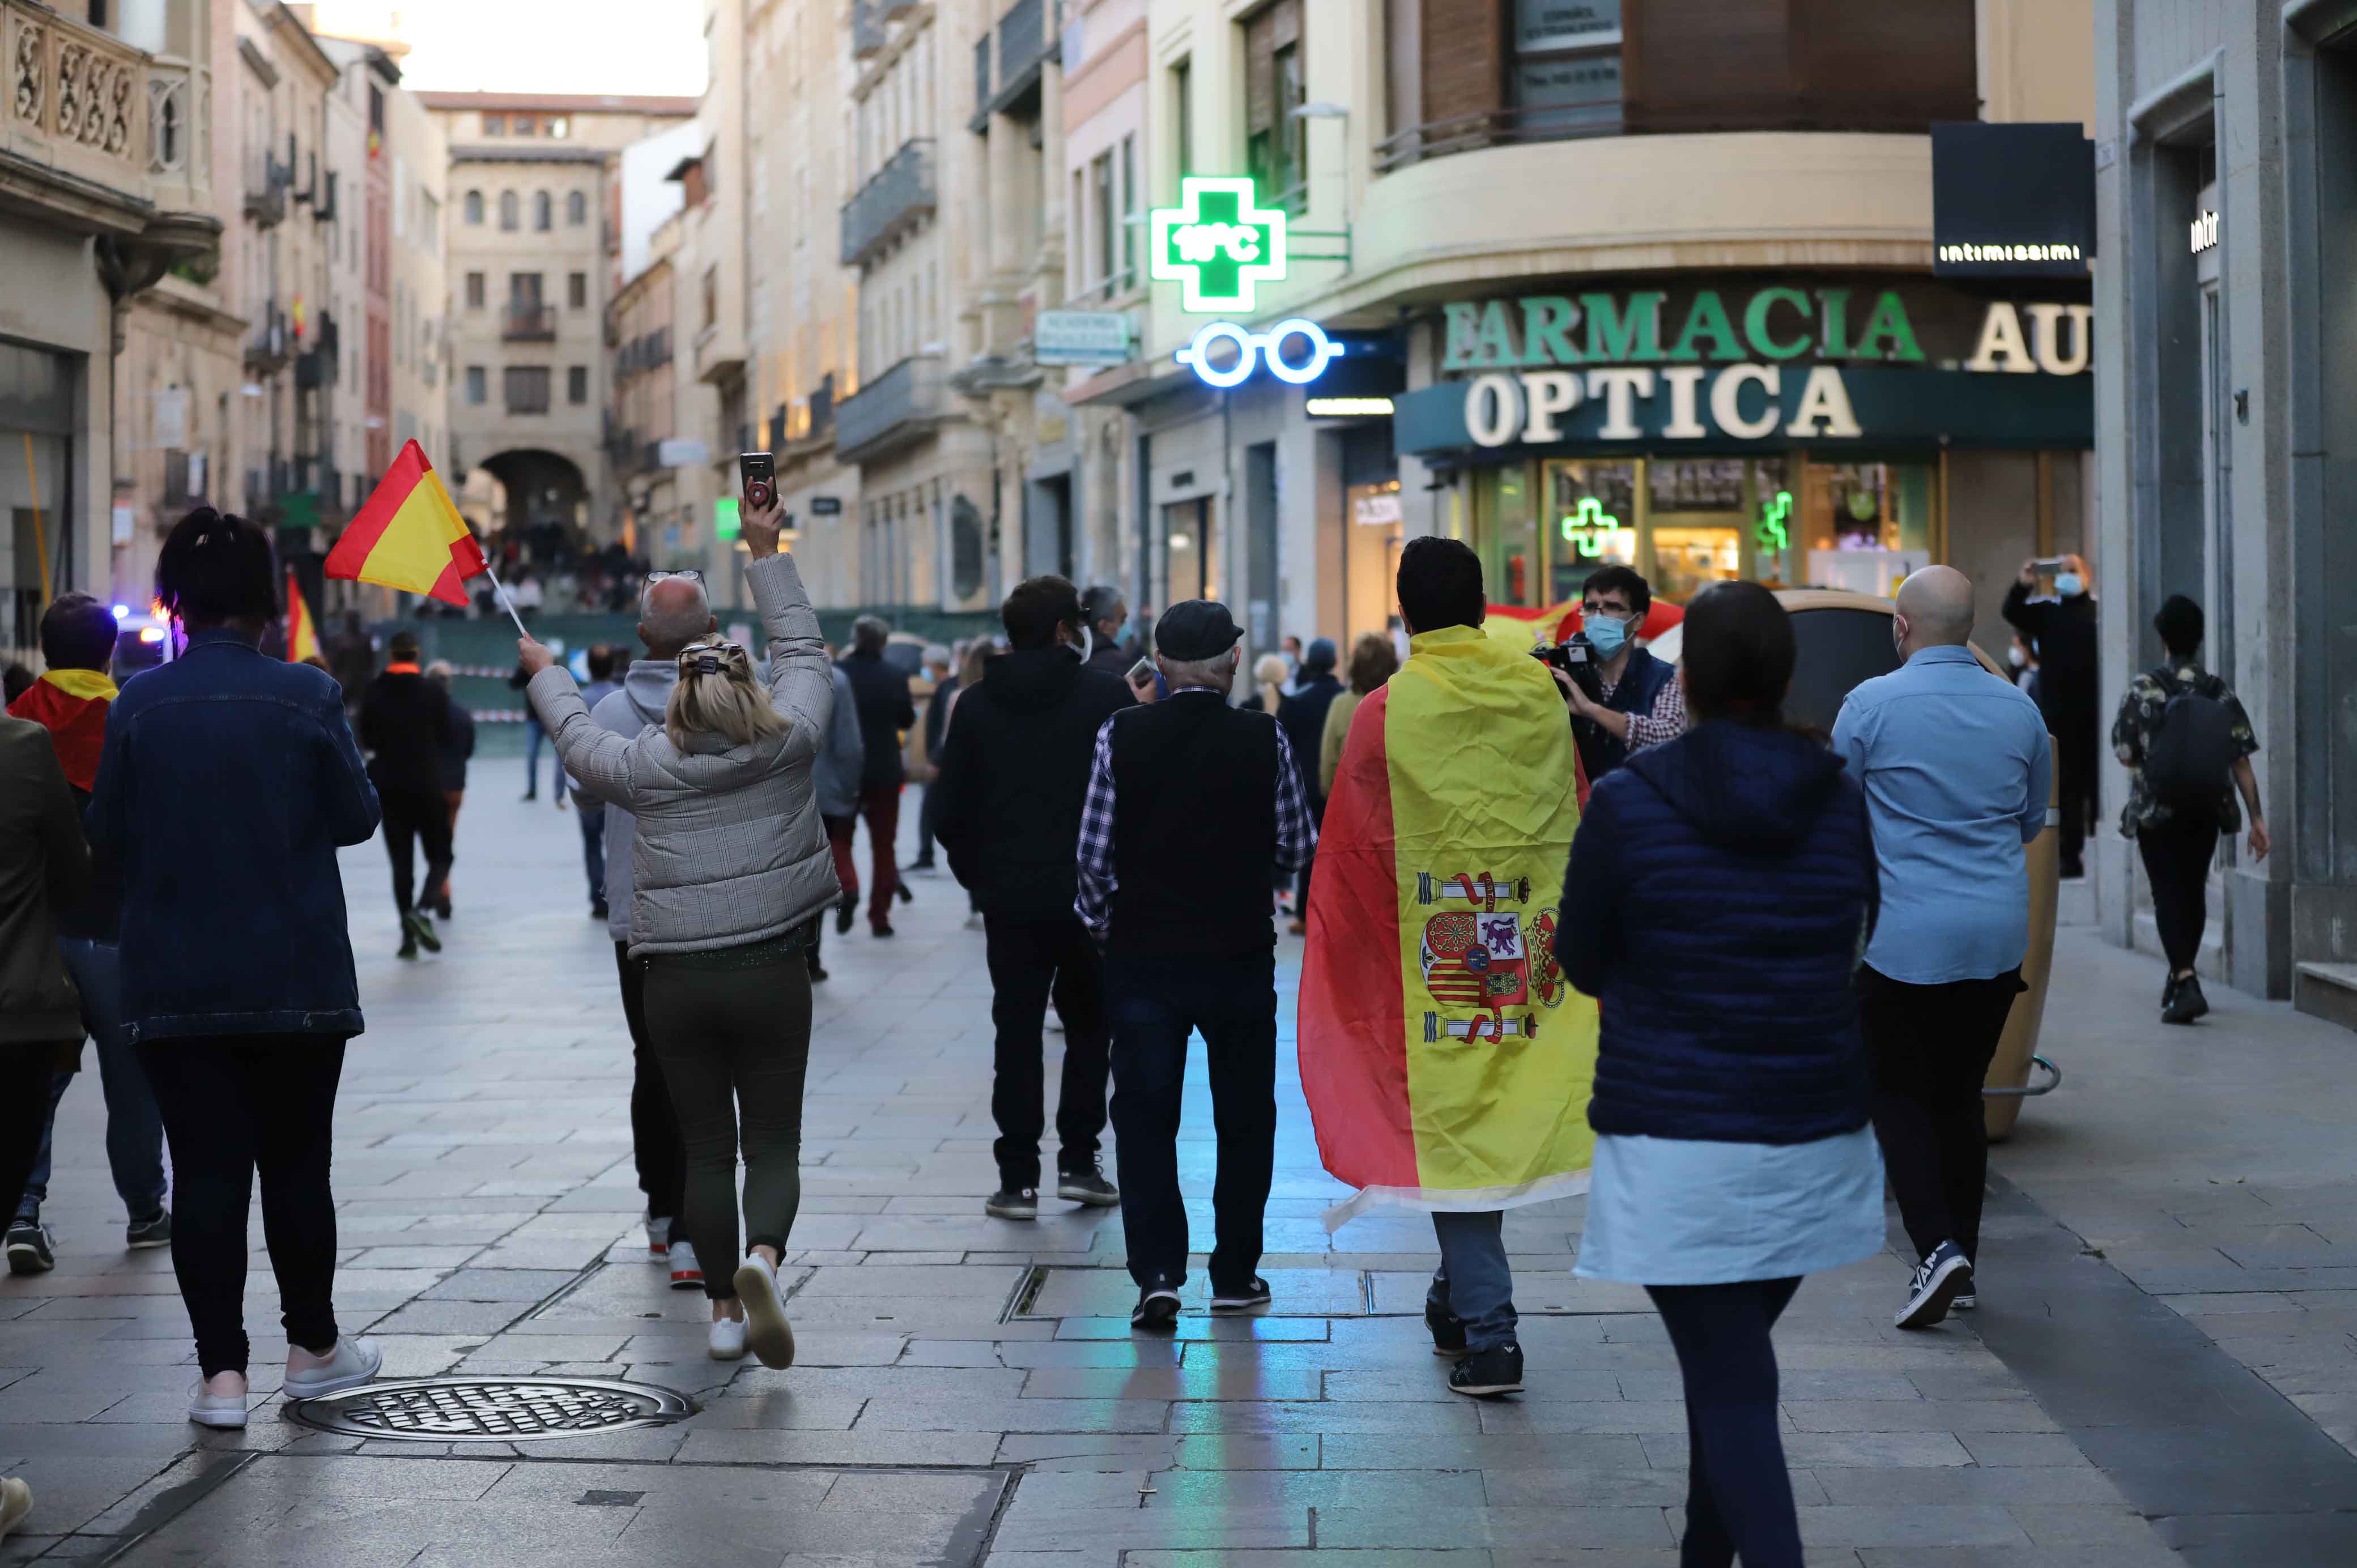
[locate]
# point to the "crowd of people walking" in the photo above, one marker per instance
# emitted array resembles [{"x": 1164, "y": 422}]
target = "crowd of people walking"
[{"x": 1733, "y": 1088}]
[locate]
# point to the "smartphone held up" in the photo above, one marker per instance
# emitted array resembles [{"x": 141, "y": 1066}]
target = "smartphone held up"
[{"x": 758, "y": 473}]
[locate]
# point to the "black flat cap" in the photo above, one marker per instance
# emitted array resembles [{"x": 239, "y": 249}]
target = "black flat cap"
[{"x": 1194, "y": 629}]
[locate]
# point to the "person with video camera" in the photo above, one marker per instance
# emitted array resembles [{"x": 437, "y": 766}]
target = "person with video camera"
[{"x": 1631, "y": 700}]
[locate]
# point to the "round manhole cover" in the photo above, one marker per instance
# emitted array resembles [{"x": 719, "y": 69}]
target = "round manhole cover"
[{"x": 506, "y": 1409}]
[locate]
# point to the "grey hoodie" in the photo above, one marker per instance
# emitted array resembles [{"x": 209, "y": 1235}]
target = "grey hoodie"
[
  {"x": 843, "y": 757},
  {"x": 636, "y": 706}
]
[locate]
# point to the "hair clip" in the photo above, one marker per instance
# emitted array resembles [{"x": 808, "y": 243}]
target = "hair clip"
[{"x": 708, "y": 664}]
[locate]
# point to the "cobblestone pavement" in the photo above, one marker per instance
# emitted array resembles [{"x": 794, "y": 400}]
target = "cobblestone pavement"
[{"x": 968, "y": 1389}]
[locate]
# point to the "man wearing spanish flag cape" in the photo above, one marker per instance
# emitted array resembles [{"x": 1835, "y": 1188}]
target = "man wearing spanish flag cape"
[{"x": 1446, "y": 1060}]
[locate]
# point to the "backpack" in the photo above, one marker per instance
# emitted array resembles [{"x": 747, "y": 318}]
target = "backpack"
[{"x": 2190, "y": 760}]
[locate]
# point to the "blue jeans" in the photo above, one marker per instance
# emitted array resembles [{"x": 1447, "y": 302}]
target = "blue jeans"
[
  {"x": 135, "y": 1128},
  {"x": 1473, "y": 1281},
  {"x": 593, "y": 841},
  {"x": 533, "y": 736}
]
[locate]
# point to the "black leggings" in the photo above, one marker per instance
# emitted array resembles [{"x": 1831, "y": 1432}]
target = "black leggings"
[
  {"x": 413, "y": 817},
  {"x": 735, "y": 1043},
  {"x": 2177, "y": 863},
  {"x": 1739, "y": 1496},
  {"x": 232, "y": 1104},
  {"x": 25, "y": 1074}
]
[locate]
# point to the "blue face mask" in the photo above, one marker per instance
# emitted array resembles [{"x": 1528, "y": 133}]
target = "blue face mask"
[
  {"x": 1606, "y": 635},
  {"x": 2069, "y": 584}
]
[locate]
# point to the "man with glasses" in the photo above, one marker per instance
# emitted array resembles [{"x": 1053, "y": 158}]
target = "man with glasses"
[
  {"x": 672, "y": 612},
  {"x": 1642, "y": 702}
]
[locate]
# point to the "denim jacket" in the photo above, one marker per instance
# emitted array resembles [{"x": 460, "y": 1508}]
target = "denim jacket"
[{"x": 227, "y": 783}]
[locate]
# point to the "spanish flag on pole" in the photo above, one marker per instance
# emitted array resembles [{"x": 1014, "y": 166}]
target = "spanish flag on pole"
[
  {"x": 1446, "y": 1059},
  {"x": 409, "y": 536}
]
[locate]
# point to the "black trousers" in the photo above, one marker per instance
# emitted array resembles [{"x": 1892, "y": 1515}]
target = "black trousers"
[
  {"x": 2074, "y": 785},
  {"x": 1739, "y": 1496},
  {"x": 25, "y": 1075},
  {"x": 2177, "y": 857},
  {"x": 1031, "y": 961},
  {"x": 654, "y": 1127},
  {"x": 413, "y": 817},
  {"x": 1928, "y": 1048},
  {"x": 1153, "y": 1004},
  {"x": 233, "y": 1104}
]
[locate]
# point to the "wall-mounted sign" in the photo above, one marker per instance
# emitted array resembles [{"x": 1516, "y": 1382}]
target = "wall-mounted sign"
[
  {"x": 1079, "y": 336},
  {"x": 2204, "y": 233},
  {"x": 1348, "y": 407},
  {"x": 1382, "y": 509},
  {"x": 2012, "y": 200},
  {"x": 826, "y": 506},
  {"x": 1547, "y": 24},
  {"x": 1297, "y": 351},
  {"x": 682, "y": 452},
  {"x": 1220, "y": 244}
]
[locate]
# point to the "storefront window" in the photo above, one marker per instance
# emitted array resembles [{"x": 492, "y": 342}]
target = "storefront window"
[
  {"x": 1191, "y": 551},
  {"x": 1867, "y": 525},
  {"x": 1508, "y": 522},
  {"x": 1592, "y": 508},
  {"x": 1695, "y": 507},
  {"x": 1372, "y": 534}
]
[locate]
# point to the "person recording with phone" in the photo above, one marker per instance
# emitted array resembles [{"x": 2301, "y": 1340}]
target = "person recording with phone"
[{"x": 1633, "y": 700}]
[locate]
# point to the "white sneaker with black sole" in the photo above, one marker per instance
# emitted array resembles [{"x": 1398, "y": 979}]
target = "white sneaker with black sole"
[
  {"x": 1933, "y": 1287},
  {"x": 1156, "y": 1310}
]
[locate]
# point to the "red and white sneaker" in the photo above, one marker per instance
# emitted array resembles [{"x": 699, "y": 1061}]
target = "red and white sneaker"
[
  {"x": 658, "y": 1239},
  {"x": 686, "y": 1275}
]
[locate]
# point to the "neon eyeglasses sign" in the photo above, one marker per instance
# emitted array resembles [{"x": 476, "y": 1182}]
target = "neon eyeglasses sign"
[
  {"x": 1253, "y": 347},
  {"x": 1218, "y": 244}
]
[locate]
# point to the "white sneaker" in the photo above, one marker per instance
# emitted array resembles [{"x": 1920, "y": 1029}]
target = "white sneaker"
[
  {"x": 16, "y": 1502},
  {"x": 224, "y": 1412},
  {"x": 685, "y": 1273},
  {"x": 767, "y": 1332},
  {"x": 356, "y": 1362},
  {"x": 728, "y": 1340},
  {"x": 658, "y": 1239}
]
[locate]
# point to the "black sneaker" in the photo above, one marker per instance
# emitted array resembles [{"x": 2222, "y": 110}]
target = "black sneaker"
[
  {"x": 28, "y": 1248},
  {"x": 817, "y": 974},
  {"x": 442, "y": 907},
  {"x": 597, "y": 910},
  {"x": 419, "y": 927},
  {"x": 900, "y": 891},
  {"x": 408, "y": 947},
  {"x": 844, "y": 910},
  {"x": 2186, "y": 1003},
  {"x": 156, "y": 1230},
  {"x": 1013, "y": 1203},
  {"x": 1448, "y": 1332},
  {"x": 1252, "y": 1293},
  {"x": 1934, "y": 1286},
  {"x": 923, "y": 863},
  {"x": 1157, "y": 1311},
  {"x": 1485, "y": 1374},
  {"x": 1087, "y": 1186}
]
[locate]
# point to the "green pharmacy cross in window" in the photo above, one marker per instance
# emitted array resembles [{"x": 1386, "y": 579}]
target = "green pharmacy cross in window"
[
  {"x": 1590, "y": 529},
  {"x": 1219, "y": 243},
  {"x": 1772, "y": 533}
]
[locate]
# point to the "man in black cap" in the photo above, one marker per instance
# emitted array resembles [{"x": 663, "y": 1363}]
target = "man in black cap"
[{"x": 1190, "y": 802}]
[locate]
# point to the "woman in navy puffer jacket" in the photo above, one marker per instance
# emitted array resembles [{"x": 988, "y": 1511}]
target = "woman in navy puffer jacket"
[{"x": 1725, "y": 884}]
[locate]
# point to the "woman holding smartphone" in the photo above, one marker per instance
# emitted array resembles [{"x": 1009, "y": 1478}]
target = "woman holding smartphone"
[{"x": 730, "y": 864}]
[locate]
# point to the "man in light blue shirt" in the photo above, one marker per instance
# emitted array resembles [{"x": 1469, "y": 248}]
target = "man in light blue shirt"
[{"x": 1956, "y": 767}]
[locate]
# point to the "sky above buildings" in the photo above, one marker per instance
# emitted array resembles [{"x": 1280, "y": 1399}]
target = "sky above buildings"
[{"x": 534, "y": 45}]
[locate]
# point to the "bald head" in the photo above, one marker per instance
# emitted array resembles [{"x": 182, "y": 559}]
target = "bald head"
[
  {"x": 1935, "y": 610},
  {"x": 674, "y": 612}
]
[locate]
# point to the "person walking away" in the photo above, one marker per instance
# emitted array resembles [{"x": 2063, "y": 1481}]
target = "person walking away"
[
  {"x": 457, "y": 747},
  {"x": 885, "y": 709},
  {"x": 2187, "y": 745},
  {"x": 1957, "y": 768},
  {"x": 1421, "y": 1073},
  {"x": 1642, "y": 704},
  {"x": 1269, "y": 675},
  {"x": 1301, "y": 713},
  {"x": 1015, "y": 769},
  {"x": 70, "y": 701},
  {"x": 1733, "y": 1154},
  {"x": 228, "y": 783},
  {"x": 404, "y": 724},
  {"x": 938, "y": 669},
  {"x": 834, "y": 779},
  {"x": 1110, "y": 652},
  {"x": 44, "y": 869},
  {"x": 592, "y": 811},
  {"x": 2062, "y": 632},
  {"x": 534, "y": 737},
  {"x": 1189, "y": 802},
  {"x": 1373, "y": 663},
  {"x": 729, "y": 862},
  {"x": 674, "y": 611}
]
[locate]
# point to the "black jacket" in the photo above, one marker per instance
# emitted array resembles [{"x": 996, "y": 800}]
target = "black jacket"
[
  {"x": 880, "y": 691},
  {"x": 1014, "y": 774},
  {"x": 2062, "y": 631},
  {"x": 404, "y": 724},
  {"x": 1302, "y": 717},
  {"x": 937, "y": 715},
  {"x": 457, "y": 747}
]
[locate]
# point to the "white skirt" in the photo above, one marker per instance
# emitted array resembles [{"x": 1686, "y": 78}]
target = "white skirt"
[{"x": 1686, "y": 1211}]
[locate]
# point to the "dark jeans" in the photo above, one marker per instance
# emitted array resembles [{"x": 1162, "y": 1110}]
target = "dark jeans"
[
  {"x": 534, "y": 737},
  {"x": 1474, "y": 1282},
  {"x": 134, "y": 1129},
  {"x": 1739, "y": 1496},
  {"x": 1029, "y": 960},
  {"x": 413, "y": 817},
  {"x": 735, "y": 1044},
  {"x": 654, "y": 1128},
  {"x": 925, "y": 815},
  {"x": 25, "y": 1075},
  {"x": 233, "y": 1104},
  {"x": 2177, "y": 863},
  {"x": 2074, "y": 785},
  {"x": 592, "y": 814},
  {"x": 1153, "y": 1003},
  {"x": 1928, "y": 1048}
]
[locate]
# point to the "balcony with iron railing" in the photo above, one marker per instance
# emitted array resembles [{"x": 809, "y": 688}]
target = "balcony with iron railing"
[
  {"x": 273, "y": 340},
  {"x": 88, "y": 114},
  {"x": 1028, "y": 35},
  {"x": 896, "y": 408},
  {"x": 868, "y": 36},
  {"x": 529, "y": 324},
  {"x": 894, "y": 197}
]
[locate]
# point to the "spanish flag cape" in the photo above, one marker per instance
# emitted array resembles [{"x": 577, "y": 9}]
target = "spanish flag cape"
[{"x": 1446, "y": 1059}]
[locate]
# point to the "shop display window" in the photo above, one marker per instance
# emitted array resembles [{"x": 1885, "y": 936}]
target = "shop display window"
[
  {"x": 1865, "y": 525},
  {"x": 1592, "y": 506},
  {"x": 1373, "y": 529}
]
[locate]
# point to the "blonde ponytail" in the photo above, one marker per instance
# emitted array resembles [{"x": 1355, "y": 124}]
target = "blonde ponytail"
[{"x": 716, "y": 695}]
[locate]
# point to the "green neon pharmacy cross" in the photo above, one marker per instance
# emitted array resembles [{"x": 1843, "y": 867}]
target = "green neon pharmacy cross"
[
  {"x": 1218, "y": 244},
  {"x": 1771, "y": 532},
  {"x": 1587, "y": 527}
]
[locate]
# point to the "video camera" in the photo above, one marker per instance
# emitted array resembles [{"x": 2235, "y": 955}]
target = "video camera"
[{"x": 1576, "y": 657}]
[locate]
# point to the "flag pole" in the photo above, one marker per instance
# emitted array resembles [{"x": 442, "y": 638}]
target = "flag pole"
[{"x": 507, "y": 604}]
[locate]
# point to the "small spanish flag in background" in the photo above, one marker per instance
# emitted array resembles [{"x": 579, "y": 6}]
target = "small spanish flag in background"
[
  {"x": 302, "y": 632},
  {"x": 409, "y": 536}
]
